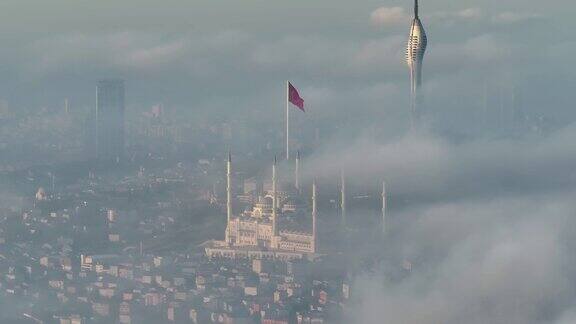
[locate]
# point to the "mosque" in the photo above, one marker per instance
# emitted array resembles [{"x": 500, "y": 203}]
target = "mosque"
[{"x": 277, "y": 225}]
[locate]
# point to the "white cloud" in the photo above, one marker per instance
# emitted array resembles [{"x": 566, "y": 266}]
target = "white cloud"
[
  {"x": 389, "y": 16},
  {"x": 398, "y": 16},
  {"x": 470, "y": 13},
  {"x": 386, "y": 53},
  {"x": 493, "y": 261},
  {"x": 458, "y": 16},
  {"x": 427, "y": 164},
  {"x": 120, "y": 50},
  {"x": 514, "y": 17},
  {"x": 144, "y": 57},
  {"x": 483, "y": 48},
  {"x": 470, "y": 52}
]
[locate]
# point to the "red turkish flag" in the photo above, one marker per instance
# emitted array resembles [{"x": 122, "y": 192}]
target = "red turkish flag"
[{"x": 294, "y": 97}]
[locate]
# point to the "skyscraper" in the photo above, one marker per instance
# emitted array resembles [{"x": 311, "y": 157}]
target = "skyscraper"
[
  {"x": 415, "y": 50},
  {"x": 110, "y": 119}
]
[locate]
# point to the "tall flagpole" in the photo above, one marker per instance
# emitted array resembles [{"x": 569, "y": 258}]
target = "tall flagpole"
[{"x": 287, "y": 120}]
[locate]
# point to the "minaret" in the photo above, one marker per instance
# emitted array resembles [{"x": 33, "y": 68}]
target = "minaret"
[
  {"x": 343, "y": 197},
  {"x": 415, "y": 50},
  {"x": 274, "y": 201},
  {"x": 297, "y": 172},
  {"x": 229, "y": 197},
  {"x": 384, "y": 208},
  {"x": 314, "y": 216}
]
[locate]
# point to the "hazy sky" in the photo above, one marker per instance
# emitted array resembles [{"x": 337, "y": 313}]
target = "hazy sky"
[
  {"x": 499, "y": 227},
  {"x": 222, "y": 56}
]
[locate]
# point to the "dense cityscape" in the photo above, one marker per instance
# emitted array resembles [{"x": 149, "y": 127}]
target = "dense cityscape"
[{"x": 139, "y": 244}]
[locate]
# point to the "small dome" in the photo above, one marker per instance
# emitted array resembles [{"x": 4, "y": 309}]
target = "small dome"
[
  {"x": 40, "y": 194},
  {"x": 265, "y": 202}
]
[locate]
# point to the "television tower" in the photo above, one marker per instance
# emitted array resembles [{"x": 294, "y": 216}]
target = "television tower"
[{"x": 415, "y": 50}]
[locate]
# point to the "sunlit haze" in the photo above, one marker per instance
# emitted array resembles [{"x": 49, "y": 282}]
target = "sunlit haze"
[{"x": 327, "y": 161}]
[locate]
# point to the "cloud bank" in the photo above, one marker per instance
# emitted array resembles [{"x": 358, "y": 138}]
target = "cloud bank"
[{"x": 495, "y": 261}]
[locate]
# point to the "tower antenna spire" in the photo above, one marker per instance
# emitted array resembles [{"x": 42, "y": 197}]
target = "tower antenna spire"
[{"x": 415, "y": 8}]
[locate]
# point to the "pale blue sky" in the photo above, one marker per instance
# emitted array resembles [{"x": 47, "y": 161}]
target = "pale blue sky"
[{"x": 206, "y": 55}]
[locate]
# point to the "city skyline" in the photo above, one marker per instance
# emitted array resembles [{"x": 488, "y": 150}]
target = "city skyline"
[{"x": 489, "y": 34}]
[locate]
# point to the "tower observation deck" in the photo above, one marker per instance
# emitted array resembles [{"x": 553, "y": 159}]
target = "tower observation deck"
[{"x": 415, "y": 51}]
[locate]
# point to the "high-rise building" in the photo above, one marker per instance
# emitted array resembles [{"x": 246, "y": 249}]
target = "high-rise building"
[
  {"x": 110, "y": 119},
  {"x": 415, "y": 50}
]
